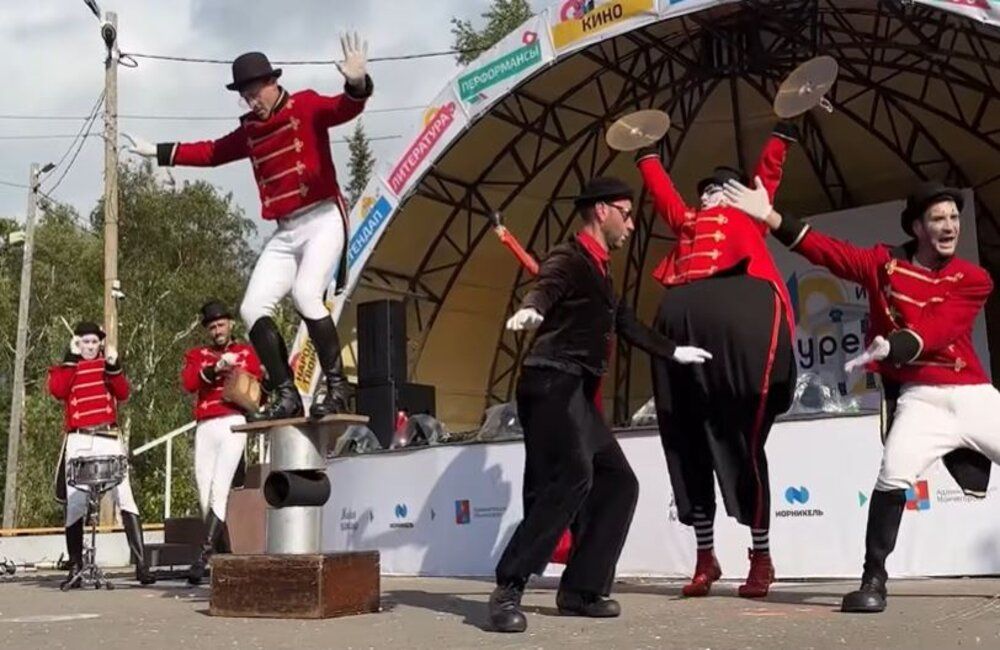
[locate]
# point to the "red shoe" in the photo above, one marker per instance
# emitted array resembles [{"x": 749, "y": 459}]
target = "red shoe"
[
  {"x": 760, "y": 577},
  {"x": 706, "y": 571}
]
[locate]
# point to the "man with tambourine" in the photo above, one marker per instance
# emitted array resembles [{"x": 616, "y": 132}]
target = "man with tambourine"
[
  {"x": 91, "y": 382},
  {"x": 224, "y": 377}
]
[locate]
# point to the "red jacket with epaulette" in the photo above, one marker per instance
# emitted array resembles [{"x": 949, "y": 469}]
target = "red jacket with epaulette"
[
  {"x": 717, "y": 239},
  {"x": 199, "y": 376},
  {"x": 90, "y": 389},
  {"x": 290, "y": 150},
  {"x": 926, "y": 315}
]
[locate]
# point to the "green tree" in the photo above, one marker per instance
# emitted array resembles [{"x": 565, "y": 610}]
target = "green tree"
[
  {"x": 178, "y": 248},
  {"x": 501, "y": 18},
  {"x": 362, "y": 163}
]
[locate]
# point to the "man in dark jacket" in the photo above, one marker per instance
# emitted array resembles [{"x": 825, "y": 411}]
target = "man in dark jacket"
[{"x": 575, "y": 472}]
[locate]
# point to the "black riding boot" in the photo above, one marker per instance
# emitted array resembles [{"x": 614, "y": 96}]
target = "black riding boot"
[
  {"x": 74, "y": 548},
  {"x": 324, "y": 337},
  {"x": 215, "y": 527},
  {"x": 133, "y": 533},
  {"x": 284, "y": 401},
  {"x": 884, "y": 514},
  {"x": 505, "y": 608}
]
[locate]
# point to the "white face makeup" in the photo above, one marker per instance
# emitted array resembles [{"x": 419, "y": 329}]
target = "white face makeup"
[
  {"x": 712, "y": 197},
  {"x": 939, "y": 228},
  {"x": 90, "y": 346}
]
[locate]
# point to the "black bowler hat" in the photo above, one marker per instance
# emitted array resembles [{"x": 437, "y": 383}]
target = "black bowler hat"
[
  {"x": 720, "y": 176},
  {"x": 924, "y": 196},
  {"x": 603, "y": 188},
  {"x": 85, "y": 327},
  {"x": 251, "y": 67},
  {"x": 213, "y": 310}
]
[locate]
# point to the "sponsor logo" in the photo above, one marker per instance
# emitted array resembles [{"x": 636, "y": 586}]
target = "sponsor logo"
[
  {"x": 862, "y": 498},
  {"x": 436, "y": 124},
  {"x": 918, "y": 497},
  {"x": 798, "y": 497},
  {"x": 580, "y": 19},
  {"x": 304, "y": 365},
  {"x": 401, "y": 511},
  {"x": 348, "y": 519},
  {"x": 463, "y": 513},
  {"x": 955, "y": 495},
  {"x": 376, "y": 210},
  {"x": 472, "y": 85}
]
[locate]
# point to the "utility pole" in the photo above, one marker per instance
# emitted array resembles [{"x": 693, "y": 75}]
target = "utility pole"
[
  {"x": 17, "y": 397},
  {"x": 109, "y": 33}
]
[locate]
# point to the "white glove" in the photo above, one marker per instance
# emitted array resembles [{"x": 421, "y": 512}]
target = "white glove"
[
  {"x": 140, "y": 147},
  {"x": 226, "y": 362},
  {"x": 524, "y": 319},
  {"x": 754, "y": 202},
  {"x": 110, "y": 355},
  {"x": 355, "y": 59},
  {"x": 74, "y": 345},
  {"x": 687, "y": 354},
  {"x": 876, "y": 351}
]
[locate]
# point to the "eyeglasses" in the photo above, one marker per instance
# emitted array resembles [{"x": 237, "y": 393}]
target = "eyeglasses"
[{"x": 625, "y": 212}]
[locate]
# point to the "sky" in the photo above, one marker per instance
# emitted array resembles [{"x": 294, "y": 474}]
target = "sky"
[{"x": 55, "y": 67}]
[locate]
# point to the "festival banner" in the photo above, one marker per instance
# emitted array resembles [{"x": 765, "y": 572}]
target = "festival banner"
[
  {"x": 987, "y": 11},
  {"x": 500, "y": 68},
  {"x": 441, "y": 123},
  {"x": 577, "y": 23},
  {"x": 673, "y": 8},
  {"x": 368, "y": 221}
]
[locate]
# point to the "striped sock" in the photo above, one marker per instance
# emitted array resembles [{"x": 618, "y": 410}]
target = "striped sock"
[
  {"x": 704, "y": 530},
  {"x": 761, "y": 540}
]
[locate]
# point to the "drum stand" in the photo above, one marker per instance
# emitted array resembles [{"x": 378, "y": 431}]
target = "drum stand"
[{"x": 91, "y": 574}]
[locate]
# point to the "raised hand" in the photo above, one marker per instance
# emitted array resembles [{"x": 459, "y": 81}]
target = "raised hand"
[
  {"x": 354, "y": 67},
  {"x": 140, "y": 147},
  {"x": 524, "y": 319}
]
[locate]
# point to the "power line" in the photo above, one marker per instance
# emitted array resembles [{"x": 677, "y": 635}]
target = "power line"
[
  {"x": 10, "y": 184},
  {"x": 375, "y": 59},
  {"x": 83, "y": 140},
  {"x": 193, "y": 118},
  {"x": 53, "y": 136}
]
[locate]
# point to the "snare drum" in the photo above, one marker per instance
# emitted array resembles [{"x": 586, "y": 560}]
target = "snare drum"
[{"x": 103, "y": 472}]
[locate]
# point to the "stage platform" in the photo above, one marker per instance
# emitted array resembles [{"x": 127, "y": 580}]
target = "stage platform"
[{"x": 446, "y": 614}]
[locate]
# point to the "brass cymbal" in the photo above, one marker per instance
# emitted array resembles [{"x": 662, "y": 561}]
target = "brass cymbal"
[
  {"x": 637, "y": 130},
  {"x": 805, "y": 87}
]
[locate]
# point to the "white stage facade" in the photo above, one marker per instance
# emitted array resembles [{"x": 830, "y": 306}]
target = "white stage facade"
[{"x": 448, "y": 510}]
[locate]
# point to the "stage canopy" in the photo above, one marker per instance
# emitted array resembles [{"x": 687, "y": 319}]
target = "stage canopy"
[{"x": 522, "y": 127}]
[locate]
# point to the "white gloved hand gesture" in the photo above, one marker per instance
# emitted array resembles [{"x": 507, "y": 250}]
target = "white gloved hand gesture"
[
  {"x": 688, "y": 354},
  {"x": 524, "y": 319},
  {"x": 355, "y": 59},
  {"x": 226, "y": 362},
  {"x": 140, "y": 147},
  {"x": 74, "y": 345},
  {"x": 754, "y": 202},
  {"x": 111, "y": 355},
  {"x": 877, "y": 350}
]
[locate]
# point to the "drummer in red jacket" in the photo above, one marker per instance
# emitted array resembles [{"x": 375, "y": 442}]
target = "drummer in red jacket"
[
  {"x": 91, "y": 383},
  {"x": 217, "y": 449},
  {"x": 724, "y": 294}
]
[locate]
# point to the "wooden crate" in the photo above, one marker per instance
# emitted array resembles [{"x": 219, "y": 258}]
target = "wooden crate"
[{"x": 295, "y": 586}]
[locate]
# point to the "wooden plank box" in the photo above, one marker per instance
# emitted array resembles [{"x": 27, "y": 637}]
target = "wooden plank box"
[{"x": 295, "y": 586}]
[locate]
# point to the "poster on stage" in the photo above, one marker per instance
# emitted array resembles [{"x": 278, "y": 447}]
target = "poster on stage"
[
  {"x": 440, "y": 123},
  {"x": 367, "y": 222},
  {"x": 497, "y": 70},
  {"x": 832, "y": 314},
  {"x": 577, "y": 23}
]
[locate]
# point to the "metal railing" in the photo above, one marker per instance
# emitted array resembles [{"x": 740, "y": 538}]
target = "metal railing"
[{"x": 168, "y": 440}]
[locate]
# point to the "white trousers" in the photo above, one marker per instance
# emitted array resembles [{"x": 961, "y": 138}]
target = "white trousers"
[
  {"x": 301, "y": 257},
  {"x": 931, "y": 421},
  {"x": 217, "y": 453},
  {"x": 82, "y": 445}
]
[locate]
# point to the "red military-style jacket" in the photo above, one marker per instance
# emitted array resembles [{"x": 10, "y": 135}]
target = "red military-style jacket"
[
  {"x": 290, "y": 150},
  {"x": 926, "y": 315},
  {"x": 198, "y": 376},
  {"x": 715, "y": 240},
  {"x": 91, "y": 391}
]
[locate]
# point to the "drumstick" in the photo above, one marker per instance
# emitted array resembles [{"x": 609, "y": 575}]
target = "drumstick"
[{"x": 513, "y": 245}]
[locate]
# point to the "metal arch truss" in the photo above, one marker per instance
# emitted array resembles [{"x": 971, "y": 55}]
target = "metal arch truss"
[{"x": 877, "y": 47}]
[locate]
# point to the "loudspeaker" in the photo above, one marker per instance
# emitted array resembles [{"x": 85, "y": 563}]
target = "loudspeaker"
[
  {"x": 381, "y": 342},
  {"x": 382, "y": 401}
]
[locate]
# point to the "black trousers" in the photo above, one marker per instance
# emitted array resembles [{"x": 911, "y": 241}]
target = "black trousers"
[
  {"x": 715, "y": 418},
  {"x": 575, "y": 473}
]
